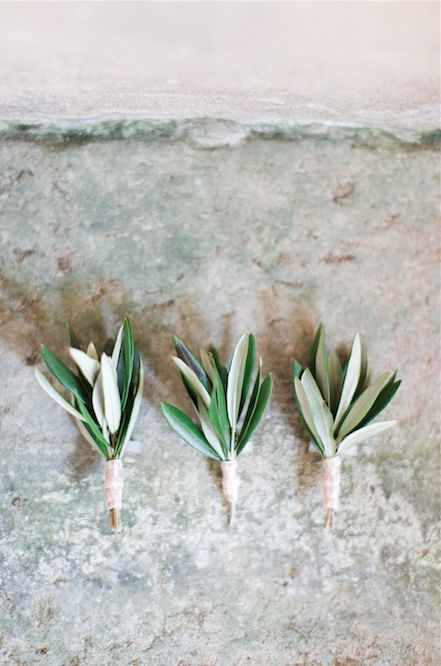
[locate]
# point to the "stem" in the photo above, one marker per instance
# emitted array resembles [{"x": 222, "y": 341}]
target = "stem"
[
  {"x": 113, "y": 488},
  {"x": 331, "y": 488},
  {"x": 230, "y": 485}
]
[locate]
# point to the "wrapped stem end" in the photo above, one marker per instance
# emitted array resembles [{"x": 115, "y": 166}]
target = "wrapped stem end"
[
  {"x": 230, "y": 485},
  {"x": 331, "y": 488},
  {"x": 113, "y": 488}
]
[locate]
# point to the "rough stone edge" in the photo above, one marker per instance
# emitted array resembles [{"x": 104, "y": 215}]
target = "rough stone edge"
[{"x": 208, "y": 133}]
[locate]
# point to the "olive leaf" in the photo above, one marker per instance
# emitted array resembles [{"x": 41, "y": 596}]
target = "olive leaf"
[
  {"x": 105, "y": 395},
  {"x": 326, "y": 389},
  {"x": 229, "y": 403}
]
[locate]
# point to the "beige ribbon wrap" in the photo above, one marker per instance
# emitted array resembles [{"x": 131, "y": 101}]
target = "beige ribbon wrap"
[
  {"x": 331, "y": 488},
  {"x": 113, "y": 489},
  {"x": 230, "y": 484}
]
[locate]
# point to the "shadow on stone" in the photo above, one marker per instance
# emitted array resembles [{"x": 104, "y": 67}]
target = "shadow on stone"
[{"x": 289, "y": 337}]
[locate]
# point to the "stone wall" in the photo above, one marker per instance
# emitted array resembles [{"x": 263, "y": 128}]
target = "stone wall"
[{"x": 211, "y": 228}]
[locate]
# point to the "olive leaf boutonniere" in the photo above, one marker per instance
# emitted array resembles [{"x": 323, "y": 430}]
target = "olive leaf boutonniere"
[
  {"x": 337, "y": 404},
  {"x": 105, "y": 397},
  {"x": 229, "y": 403}
]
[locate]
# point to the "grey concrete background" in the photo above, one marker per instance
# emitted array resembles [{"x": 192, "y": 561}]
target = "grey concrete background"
[{"x": 208, "y": 224}]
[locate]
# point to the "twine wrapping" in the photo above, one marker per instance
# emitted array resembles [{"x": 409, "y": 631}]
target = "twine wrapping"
[
  {"x": 230, "y": 484},
  {"x": 113, "y": 488},
  {"x": 331, "y": 488}
]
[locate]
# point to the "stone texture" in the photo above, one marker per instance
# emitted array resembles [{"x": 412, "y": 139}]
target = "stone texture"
[
  {"x": 210, "y": 229},
  {"x": 375, "y": 62}
]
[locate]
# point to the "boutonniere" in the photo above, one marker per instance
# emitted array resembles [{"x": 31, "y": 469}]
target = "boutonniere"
[
  {"x": 228, "y": 404},
  {"x": 105, "y": 394},
  {"x": 337, "y": 404}
]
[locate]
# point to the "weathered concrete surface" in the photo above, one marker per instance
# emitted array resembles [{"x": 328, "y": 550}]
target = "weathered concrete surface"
[
  {"x": 367, "y": 62},
  {"x": 211, "y": 229}
]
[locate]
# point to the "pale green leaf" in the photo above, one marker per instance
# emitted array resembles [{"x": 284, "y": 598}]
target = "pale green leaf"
[
  {"x": 135, "y": 411},
  {"x": 92, "y": 352},
  {"x": 306, "y": 411},
  {"x": 117, "y": 346},
  {"x": 191, "y": 377},
  {"x": 335, "y": 379},
  {"x": 47, "y": 386},
  {"x": 98, "y": 398},
  {"x": 363, "y": 404},
  {"x": 112, "y": 400},
  {"x": 89, "y": 366},
  {"x": 351, "y": 380},
  {"x": 235, "y": 380},
  {"x": 321, "y": 367},
  {"x": 207, "y": 365},
  {"x": 363, "y": 433},
  {"x": 207, "y": 428},
  {"x": 321, "y": 413}
]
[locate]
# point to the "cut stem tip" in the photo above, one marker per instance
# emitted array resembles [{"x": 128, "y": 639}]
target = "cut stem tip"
[
  {"x": 330, "y": 518},
  {"x": 115, "y": 518}
]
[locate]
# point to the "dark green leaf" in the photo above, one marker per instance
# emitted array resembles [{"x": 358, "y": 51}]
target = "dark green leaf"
[
  {"x": 73, "y": 340},
  {"x": 94, "y": 429},
  {"x": 251, "y": 405},
  {"x": 314, "y": 348},
  {"x": 190, "y": 390},
  {"x": 185, "y": 428},
  {"x": 218, "y": 409},
  {"x": 185, "y": 355},
  {"x": 63, "y": 374},
  {"x": 381, "y": 402},
  {"x": 223, "y": 372},
  {"x": 262, "y": 402},
  {"x": 249, "y": 370},
  {"x": 108, "y": 347},
  {"x": 128, "y": 354}
]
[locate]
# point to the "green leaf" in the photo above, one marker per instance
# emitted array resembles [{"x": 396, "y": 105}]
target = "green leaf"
[
  {"x": 223, "y": 372},
  {"x": 128, "y": 353},
  {"x": 207, "y": 363},
  {"x": 335, "y": 373},
  {"x": 350, "y": 382},
  {"x": 63, "y": 374},
  {"x": 362, "y": 405},
  {"x": 321, "y": 414},
  {"x": 296, "y": 369},
  {"x": 262, "y": 403},
  {"x": 252, "y": 403},
  {"x": 126, "y": 432},
  {"x": 117, "y": 346},
  {"x": 192, "y": 362},
  {"x": 112, "y": 400},
  {"x": 381, "y": 402},
  {"x": 74, "y": 342},
  {"x": 185, "y": 428},
  {"x": 364, "y": 372},
  {"x": 96, "y": 432},
  {"x": 305, "y": 412},
  {"x": 235, "y": 380},
  {"x": 193, "y": 380},
  {"x": 209, "y": 429},
  {"x": 321, "y": 367},
  {"x": 55, "y": 395},
  {"x": 217, "y": 413},
  {"x": 248, "y": 373},
  {"x": 88, "y": 366},
  {"x": 315, "y": 344},
  {"x": 363, "y": 433}
]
